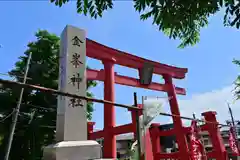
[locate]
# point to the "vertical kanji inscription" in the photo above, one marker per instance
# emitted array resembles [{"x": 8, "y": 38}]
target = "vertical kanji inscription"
[
  {"x": 76, "y": 41},
  {"x": 76, "y": 60},
  {"x": 72, "y": 80},
  {"x": 76, "y": 79},
  {"x": 75, "y": 102}
]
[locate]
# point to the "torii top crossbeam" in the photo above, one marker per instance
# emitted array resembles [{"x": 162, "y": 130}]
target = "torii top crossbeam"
[{"x": 98, "y": 51}]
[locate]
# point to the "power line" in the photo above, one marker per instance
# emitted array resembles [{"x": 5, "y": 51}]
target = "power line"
[
  {"x": 5, "y": 74},
  {"x": 44, "y": 108},
  {"x": 2, "y": 120},
  {"x": 192, "y": 119},
  {"x": 56, "y": 92},
  {"x": 38, "y": 107},
  {"x": 35, "y": 106}
]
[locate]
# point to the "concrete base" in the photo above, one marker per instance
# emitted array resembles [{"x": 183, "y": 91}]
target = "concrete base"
[{"x": 73, "y": 150}]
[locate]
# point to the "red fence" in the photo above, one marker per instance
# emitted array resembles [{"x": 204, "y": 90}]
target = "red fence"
[
  {"x": 152, "y": 137},
  {"x": 211, "y": 126}
]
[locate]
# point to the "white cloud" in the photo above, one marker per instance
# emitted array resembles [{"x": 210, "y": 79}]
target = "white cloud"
[{"x": 211, "y": 101}]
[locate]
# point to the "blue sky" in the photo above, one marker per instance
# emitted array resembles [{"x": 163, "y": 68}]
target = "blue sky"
[{"x": 209, "y": 62}]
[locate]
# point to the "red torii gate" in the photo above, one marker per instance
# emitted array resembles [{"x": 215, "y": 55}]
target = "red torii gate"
[{"x": 109, "y": 57}]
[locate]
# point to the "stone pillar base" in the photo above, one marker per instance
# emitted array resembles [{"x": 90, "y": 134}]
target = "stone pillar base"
[{"x": 73, "y": 150}]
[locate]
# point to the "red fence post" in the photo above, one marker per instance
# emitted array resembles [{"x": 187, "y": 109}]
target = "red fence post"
[
  {"x": 155, "y": 138},
  {"x": 90, "y": 126},
  {"x": 219, "y": 150}
]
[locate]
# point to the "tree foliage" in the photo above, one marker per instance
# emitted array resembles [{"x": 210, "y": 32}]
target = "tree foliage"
[
  {"x": 237, "y": 81},
  {"x": 178, "y": 19},
  {"x": 37, "y": 119}
]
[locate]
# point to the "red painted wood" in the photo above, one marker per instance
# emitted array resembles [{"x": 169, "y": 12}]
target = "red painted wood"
[
  {"x": 148, "y": 147},
  {"x": 90, "y": 126},
  {"x": 109, "y": 57},
  {"x": 129, "y": 81},
  {"x": 219, "y": 150},
  {"x": 178, "y": 126},
  {"x": 110, "y": 149},
  {"x": 126, "y": 128},
  {"x": 97, "y": 134},
  {"x": 98, "y": 51},
  {"x": 174, "y": 155},
  {"x": 155, "y": 139}
]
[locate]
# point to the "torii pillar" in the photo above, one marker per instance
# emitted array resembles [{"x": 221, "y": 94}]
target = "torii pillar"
[
  {"x": 110, "y": 150},
  {"x": 178, "y": 126}
]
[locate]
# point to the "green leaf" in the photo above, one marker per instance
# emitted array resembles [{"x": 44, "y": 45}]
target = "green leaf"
[
  {"x": 221, "y": 3},
  {"x": 183, "y": 18},
  {"x": 36, "y": 125},
  {"x": 85, "y": 7}
]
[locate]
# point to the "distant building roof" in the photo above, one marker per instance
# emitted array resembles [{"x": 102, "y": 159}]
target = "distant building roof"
[{"x": 128, "y": 136}]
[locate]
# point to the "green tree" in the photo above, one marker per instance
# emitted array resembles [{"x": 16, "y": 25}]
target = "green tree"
[
  {"x": 37, "y": 119},
  {"x": 237, "y": 81},
  {"x": 178, "y": 19}
]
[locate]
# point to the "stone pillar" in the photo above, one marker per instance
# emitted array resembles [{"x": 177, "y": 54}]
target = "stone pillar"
[
  {"x": 71, "y": 132},
  {"x": 71, "y": 113}
]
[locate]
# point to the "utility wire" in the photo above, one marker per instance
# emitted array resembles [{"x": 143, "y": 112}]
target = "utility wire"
[
  {"x": 35, "y": 106},
  {"x": 9, "y": 115},
  {"x": 60, "y": 93},
  {"x": 188, "y": 118},
  {"x": 39, "y": 107},
  {"x": 56, "y": 92},
  {"x": 5, "y": 74}
]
